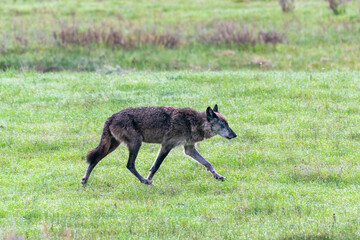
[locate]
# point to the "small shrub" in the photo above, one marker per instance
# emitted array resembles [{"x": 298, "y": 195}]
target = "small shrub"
[
  {"x": 272, "y": 37},
  {"x": 168, "y": 38},
  {"x": 287, "y": 5},
  {"x": 228, "y": 33},
  {"x": 231, "y": 33},
  {"x": 337, "y": 6},
  {"x": 116, "y": 38},
  {"x": 20, "y": 37},
  {"x": 110, "y": 36}
]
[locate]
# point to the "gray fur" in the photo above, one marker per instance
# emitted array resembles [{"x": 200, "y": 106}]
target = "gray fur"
[{"x": 168, "y": 126}]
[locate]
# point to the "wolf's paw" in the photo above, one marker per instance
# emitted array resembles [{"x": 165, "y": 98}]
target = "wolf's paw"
[
  {"x": 84, "y": 180},
  {"x": 147, "y": 181},
  {"x": 219, "y": 177}
]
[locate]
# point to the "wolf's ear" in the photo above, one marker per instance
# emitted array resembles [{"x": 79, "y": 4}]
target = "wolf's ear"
[
  {"x": 210, "y": 114},
  {"x": 216, "y": 109}
]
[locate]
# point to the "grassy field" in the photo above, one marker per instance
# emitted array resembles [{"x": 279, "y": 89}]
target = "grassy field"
[
  {"x": 288, "y": 84},
  {"x": 177, "y": 35},
  {"x": 292, "y": 173}
]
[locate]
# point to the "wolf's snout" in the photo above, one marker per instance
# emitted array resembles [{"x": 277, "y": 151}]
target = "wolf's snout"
[{"x": 231, "y": 135}]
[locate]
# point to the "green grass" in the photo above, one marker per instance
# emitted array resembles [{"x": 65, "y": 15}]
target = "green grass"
[
  {"x": 316, "y": 38},
  {"x": 294, "y": 163}
]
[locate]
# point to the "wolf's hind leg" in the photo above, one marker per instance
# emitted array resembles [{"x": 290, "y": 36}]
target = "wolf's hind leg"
[
  {"x": 191, "y": 151},
  {"x": 134, "y": 148}
]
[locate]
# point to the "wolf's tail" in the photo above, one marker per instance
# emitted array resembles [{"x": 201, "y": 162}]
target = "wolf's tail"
[{"x": 96, "y": 154}]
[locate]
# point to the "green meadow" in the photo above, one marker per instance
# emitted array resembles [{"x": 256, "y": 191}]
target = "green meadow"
[
  {"x": 287, "y": 82},
  {"x": 292, "y": 173}
]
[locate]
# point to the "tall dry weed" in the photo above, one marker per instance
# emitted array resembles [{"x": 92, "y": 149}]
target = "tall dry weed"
[
  {"x": 287, "y": 5},
  {"x": 337, "y": 6}
]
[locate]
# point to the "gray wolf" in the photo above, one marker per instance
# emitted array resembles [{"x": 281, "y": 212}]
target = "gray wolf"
[{"x": 168, "y": 126}]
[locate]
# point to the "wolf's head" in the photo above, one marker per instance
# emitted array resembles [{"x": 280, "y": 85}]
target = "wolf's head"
[{"x": 218, "y": 123}]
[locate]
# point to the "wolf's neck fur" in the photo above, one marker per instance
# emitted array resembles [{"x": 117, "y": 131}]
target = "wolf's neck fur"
[{"x": 206, "y": 127}]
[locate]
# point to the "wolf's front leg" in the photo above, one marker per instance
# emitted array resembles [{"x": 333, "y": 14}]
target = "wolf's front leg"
[
  {"x": 191, "y": 151},
  {"x": 163, "y": 152}
]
